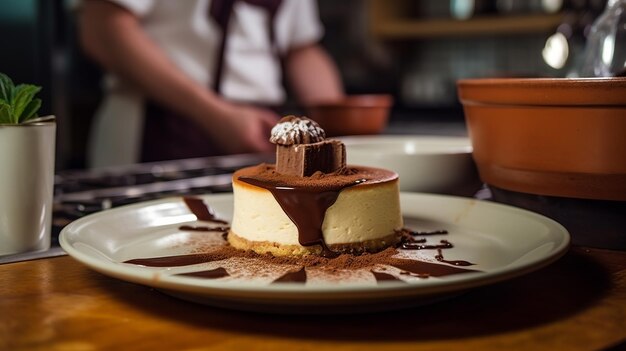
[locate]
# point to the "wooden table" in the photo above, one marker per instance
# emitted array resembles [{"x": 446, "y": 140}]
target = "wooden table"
[{"x": 578, "y": 303}]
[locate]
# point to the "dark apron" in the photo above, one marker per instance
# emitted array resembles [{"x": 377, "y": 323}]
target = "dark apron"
[{"x": 169, "y": 136}]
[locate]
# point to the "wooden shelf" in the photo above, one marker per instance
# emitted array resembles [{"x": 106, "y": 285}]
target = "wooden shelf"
[
  {"x": 389, "y": 20},
  {"x": 481, "y": 26}
]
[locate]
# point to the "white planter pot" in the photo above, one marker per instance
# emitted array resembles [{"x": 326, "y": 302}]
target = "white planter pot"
[{"x": 26, "y": 186}]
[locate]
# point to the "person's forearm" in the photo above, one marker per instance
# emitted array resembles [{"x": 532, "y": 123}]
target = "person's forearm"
[
  {"x": 114, "y": 38},
  {"x": 313, "y": 75}
]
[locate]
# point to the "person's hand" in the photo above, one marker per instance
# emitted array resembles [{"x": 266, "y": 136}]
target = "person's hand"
[{"x": 243, "y": 129}]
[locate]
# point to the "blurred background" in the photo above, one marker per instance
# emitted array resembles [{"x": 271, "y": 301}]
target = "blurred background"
[{"x": 412, "y": 49}]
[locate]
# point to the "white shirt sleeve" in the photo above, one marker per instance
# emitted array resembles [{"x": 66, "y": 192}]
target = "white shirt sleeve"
[
  {"x": 139, "y": 8},
  {"x": 305, "y": 26}
]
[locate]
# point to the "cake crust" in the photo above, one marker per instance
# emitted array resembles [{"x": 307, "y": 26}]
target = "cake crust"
[{"x": 277, "y": 249}]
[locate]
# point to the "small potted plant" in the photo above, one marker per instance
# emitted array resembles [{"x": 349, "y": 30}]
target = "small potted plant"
[{"x": 27, "y": 144}]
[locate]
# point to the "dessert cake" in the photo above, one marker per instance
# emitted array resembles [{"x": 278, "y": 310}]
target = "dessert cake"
[{"x": 310, "y": 202}]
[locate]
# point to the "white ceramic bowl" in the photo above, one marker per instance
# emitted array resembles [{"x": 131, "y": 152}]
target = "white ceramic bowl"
[{"x": 424, "y": 163}]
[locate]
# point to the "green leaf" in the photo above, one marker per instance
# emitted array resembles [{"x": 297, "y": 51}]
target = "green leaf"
[
  {"x": 17, "y": 103},
  {"x": 5, "y": 113},
  {"x": 31, "y": 110},
  {"x": 6, "y": 87},
  {"x": 24, "y": 94}
]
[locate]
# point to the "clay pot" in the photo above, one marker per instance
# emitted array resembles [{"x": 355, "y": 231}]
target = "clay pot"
[
  {"x": 353, "y": 115},
  {"x": 558, "y": 137}
]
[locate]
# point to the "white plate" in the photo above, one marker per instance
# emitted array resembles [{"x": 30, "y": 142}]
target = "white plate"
[
  {"x": 502, "y": 241},
  {"x": 425, "y": 163}
]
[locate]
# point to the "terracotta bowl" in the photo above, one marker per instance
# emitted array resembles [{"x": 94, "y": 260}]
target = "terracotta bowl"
[
  {"x": 556, "y": 137},
  {"x": 353, "y": 115}
]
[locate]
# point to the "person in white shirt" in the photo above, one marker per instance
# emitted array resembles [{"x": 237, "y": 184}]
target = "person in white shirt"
[{"x": 199, "y": 77}]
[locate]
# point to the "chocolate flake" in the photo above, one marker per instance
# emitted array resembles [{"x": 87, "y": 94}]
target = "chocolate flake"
[{"x": 216, "y": 273}]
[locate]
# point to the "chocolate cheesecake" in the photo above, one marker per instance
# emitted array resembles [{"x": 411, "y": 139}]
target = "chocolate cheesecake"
[{"x": 311, "y": 202}]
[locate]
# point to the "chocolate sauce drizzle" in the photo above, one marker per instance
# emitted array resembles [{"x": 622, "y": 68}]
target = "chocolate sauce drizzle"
[
  {"x": 174, "y": 261},
  {"x": 203, "y": 213},
  {"x": 439, "y": 257},
  {"x": 433, "y": 232},
  {"x": 418, "y": 245},
  {"x": 306, "y": 207},
  {"x": 409, "y": 242},
  {"x": 216, "y": 273},
  {"x": 426, "y": 269},
  {"x": 201, "y": 210},
  {"x": 292, "y": 277},
  {"x": 191, "y": 228}
]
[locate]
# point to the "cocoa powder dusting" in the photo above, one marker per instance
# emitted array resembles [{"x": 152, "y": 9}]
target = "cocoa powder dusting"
[
  {"x": 348, "y": 175},
  {"x": 343, "y": 261},
  {"x": 217, "y": 253}
]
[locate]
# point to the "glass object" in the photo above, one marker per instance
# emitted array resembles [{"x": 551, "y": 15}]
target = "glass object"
[{"x": 605, "y": 51}]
